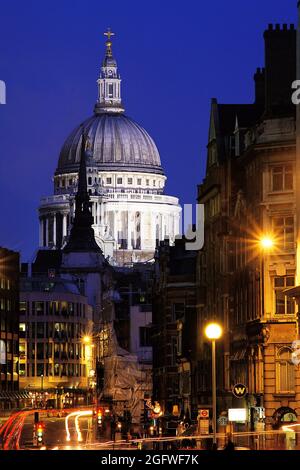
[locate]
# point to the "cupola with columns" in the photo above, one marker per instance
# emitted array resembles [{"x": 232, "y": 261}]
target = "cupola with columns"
[{"x": 109, "y": 82}]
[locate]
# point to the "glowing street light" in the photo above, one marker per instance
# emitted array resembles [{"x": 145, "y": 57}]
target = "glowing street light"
[
  {"x": 214, "y": 331},
  {"x": 267, "y": 242},
  {"x": 87, "y": 339}
]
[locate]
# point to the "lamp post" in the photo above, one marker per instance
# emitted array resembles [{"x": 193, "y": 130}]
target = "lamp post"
[
  {"x": 266, "y": 245},
  {"x": 213, "y": 331},
  {"x": 42, "y": 388}
]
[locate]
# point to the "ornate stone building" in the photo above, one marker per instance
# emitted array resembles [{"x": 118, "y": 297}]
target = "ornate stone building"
[{"x": 251, "y": 255}]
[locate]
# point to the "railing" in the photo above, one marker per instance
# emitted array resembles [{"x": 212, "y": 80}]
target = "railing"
[{"x": 156, "y": 198}]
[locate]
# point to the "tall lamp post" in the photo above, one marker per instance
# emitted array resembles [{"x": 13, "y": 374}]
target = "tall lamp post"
[
  {"x": 266, "y": 245},
  {"x": 213, "y": 331},
  {"x": 42, "y": 388}
]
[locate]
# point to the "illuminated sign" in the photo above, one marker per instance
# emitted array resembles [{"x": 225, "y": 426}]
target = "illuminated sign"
[
  {"x": 238, "y": 415},
  {"x": 239, "y": 390}
]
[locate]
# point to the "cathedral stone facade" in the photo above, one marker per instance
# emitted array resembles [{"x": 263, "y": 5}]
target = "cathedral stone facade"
[{"x": 124, "y": 176}]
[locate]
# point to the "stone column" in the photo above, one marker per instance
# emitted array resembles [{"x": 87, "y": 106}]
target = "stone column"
[
  {"x": 116, "y": 219},
  {"x": 141, "y": 229},
  {"x": 162, "y": 221},
  {"x": 153, "y": 229},
  {"x": 101, "y": 213},
  {"x": 47, "y": 231},
  {"x": 54, "y": 229},
  {"x": 64, "y": 232},
  {"x": 129, "y": 230},
  {"x": 41, "y": 234}
]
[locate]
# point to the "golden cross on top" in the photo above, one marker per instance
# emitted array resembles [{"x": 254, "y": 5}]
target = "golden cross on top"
[{"x": 109, "y": 33}]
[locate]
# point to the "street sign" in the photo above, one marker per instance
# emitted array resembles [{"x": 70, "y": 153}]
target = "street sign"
[
  {"x": 239, "y": 390},
  {"x": 238, "y": 415},
  {"x": 223, "y": 421},
  {"x": 204, "y": 414},
  {"x": 204, "y": 426}
]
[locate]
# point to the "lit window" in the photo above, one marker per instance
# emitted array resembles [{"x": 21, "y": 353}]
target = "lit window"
[
  {"x": 285, "y": 372},
  {"x": 110, "y": 90},
  {"x": 22, "y": 370},
  {"x": 23, "y": 308},
  {"x": 22, "y": 330},
  {"x": 283, "y": 228},
  {"x": 282, "y": 178},
  {"x": 284, "y": 305}
]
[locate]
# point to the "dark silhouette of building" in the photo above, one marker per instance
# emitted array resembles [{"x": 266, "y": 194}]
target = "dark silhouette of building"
[{"x": 175, "y": 333}]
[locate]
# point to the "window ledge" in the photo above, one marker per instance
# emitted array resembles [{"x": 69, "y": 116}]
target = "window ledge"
[
  {"x": 281, "y": 192},
  {"x": 284, "y": 394},
  {"x": 283, "y": 317}
]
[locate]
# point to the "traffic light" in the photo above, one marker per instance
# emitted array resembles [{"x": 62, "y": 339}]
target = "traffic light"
[
  {"x": 39, "y": 431},
  {"x": 99, "y": 417}
]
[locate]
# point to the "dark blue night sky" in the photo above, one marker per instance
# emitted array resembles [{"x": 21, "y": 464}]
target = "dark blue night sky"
[{"x": 173, "y": 56}]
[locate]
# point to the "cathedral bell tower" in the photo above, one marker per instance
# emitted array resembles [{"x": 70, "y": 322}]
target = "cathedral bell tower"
[{"x": 109, "y": 82}]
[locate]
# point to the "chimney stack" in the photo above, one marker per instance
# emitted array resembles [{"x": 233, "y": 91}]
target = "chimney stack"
[{"x": 280, "y": 60}]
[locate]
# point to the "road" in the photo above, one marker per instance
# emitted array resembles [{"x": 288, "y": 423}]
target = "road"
[{"x": 76, "y": 431}]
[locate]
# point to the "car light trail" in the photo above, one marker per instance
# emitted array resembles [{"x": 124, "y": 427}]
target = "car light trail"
[
  {"x": 289, "y": 427},
  {"x": 77, "y": 415}
]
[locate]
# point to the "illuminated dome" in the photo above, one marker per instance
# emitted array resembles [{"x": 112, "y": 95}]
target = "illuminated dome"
[
  {"x": 125, "y": 182},
  {"x": 116, "y": 143}
]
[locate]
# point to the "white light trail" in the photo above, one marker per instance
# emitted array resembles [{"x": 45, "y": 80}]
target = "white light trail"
[
  {"x": 289, "y": 427},
  {"x": 77, "y": 415}
]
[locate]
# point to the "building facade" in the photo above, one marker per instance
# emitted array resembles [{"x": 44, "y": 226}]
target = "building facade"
[
  {"x": 125, "y": 181},
  {"x": 54, "y": 318},
  {"x": 9, "y": 328},
  {"x": 251, "y": 252},
  {"x": 175, "y": 334}
]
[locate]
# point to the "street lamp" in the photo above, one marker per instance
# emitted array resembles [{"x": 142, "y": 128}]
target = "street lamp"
[
  {"x": 266, "y": 244},
  {"x": 87, "y": 339},
  {"x": 213, "y": 331}
]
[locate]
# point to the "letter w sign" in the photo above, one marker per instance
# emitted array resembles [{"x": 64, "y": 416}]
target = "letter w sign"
[{"x": 239, "y": 390}]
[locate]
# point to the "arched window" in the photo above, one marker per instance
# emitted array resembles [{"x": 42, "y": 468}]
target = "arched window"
[{"x": 285, "y": 372}]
